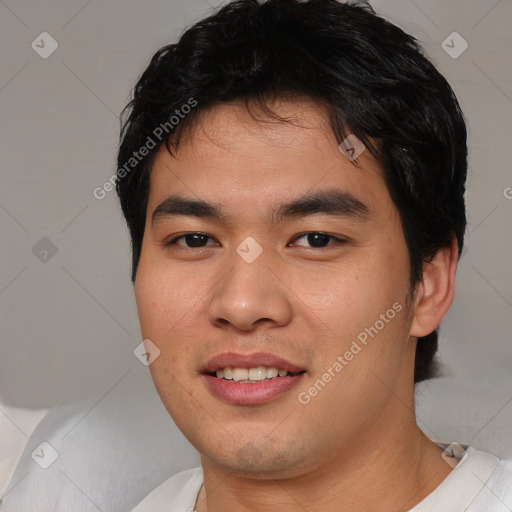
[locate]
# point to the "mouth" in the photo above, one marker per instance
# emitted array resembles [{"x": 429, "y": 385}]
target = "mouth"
[{"x": 250, "y": 379}]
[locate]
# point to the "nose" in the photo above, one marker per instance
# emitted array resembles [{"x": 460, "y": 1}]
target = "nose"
[{"x": 249, "y": 296}]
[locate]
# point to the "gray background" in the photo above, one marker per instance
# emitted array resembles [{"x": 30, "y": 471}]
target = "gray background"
[{"x": 69, "y": 324}]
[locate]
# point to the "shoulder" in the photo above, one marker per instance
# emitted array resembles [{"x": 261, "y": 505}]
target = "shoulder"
[
  {"x": 495, "y": 493},
  {"x": 480, "y": 482},
  {"x": 501, "y": 479},
  {"x": 493, "y": 472},
  {"x": 177, "y": 494}
]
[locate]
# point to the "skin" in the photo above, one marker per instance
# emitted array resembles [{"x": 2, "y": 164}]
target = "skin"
[{"x": 306, "y": 304}]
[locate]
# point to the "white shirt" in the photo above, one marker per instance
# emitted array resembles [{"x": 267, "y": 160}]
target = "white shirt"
[
  {"x": 480, "y": 482},
  {"x": 16, "y": 426}
]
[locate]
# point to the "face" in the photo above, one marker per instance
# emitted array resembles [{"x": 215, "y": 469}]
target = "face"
[{"x": 275, "y": 252}]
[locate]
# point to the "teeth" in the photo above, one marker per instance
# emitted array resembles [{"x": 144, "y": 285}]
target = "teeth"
[
  {"x": 259, "y": 373},
  {"x": 256, "y": 374},
  {"x": 240, "y": 374},
  {"x": 272, "y": 372}
]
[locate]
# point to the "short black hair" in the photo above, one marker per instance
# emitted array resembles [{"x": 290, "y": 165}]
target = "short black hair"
[{"x": 373, "y": 78}]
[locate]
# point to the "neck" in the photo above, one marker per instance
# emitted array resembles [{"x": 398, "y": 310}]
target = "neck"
[{"x": 394, "y": 474}]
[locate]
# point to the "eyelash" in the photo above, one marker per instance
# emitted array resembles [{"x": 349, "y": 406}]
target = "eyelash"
[{"x": 337, "y": 240}]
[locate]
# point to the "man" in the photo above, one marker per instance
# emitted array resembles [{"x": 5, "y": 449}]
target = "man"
[{"x": 292, "y": 174}]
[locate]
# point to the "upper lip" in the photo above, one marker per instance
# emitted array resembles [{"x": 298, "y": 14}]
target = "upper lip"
[{"x": 234, "y": 360}]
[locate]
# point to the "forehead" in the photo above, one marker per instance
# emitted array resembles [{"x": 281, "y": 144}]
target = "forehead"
[
  {"x": 285, "y": 123},
  {"x": 233, "y": 155}
]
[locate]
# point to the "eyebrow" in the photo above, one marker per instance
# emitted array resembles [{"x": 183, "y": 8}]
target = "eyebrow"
[{"x": 331, "y": 202}]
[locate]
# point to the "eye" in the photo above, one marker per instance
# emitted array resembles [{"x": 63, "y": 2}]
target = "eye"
[
  {"x": 317, "y": 240},
  {"x": 191, "y": 240}
]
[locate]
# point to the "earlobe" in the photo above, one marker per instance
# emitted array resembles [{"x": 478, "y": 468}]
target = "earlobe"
[{"x": 435, "y": 291}]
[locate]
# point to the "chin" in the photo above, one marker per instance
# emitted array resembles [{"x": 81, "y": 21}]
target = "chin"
[{"x": 261, "y": 462}]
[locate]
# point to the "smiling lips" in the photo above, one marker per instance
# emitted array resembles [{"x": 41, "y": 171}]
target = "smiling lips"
[{"x": 250, "y": 379}]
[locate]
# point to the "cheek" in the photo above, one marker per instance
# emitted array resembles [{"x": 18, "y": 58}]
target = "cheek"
[
  {"x": 164, "y": 297},
  {"x": 164, "y": 310},
  {"x": 339, "y": 294},
  {"x": 171, "y": 308},
  {"x": 148, "y": 295},
  {"x": 347, "y": 301}
]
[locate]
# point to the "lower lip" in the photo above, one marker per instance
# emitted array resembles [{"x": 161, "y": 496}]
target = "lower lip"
[{"x": 244, "y": 393}]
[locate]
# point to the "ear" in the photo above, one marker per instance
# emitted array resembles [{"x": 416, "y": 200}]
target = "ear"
[{"x": 435, "y": 291}]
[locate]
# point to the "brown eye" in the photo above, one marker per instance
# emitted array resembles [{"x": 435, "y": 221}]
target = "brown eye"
[
  {"x": 317, "y": 240},
  {"x": 191, "y": 240}
]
